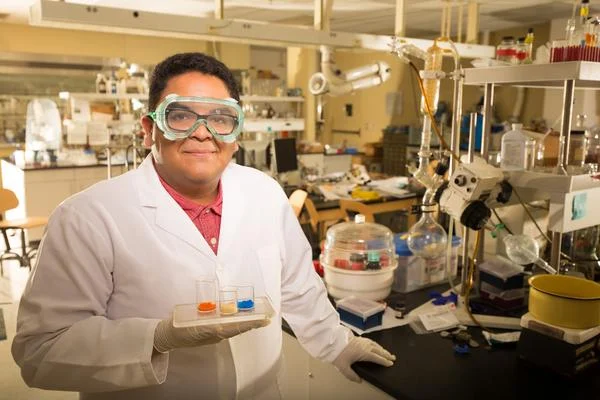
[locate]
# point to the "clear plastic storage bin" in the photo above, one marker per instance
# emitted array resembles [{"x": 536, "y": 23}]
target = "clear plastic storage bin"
[
  {"x": 359, "y": 259},
  {"x": 416, "y": 272}
]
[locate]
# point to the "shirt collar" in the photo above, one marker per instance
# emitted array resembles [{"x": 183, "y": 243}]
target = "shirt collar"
[{"x": 191, "y": 206}]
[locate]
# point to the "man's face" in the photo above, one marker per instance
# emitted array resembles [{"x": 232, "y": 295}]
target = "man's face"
[{"x": 199, "y": 159}]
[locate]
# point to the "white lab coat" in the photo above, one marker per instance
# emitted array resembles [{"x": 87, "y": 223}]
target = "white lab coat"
[{"x": 117, "y": 257}]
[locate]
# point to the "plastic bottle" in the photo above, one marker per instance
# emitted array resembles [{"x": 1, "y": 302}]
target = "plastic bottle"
[
  {"x": 513, "y": 151},
  {"x": 433, "y": 63}
]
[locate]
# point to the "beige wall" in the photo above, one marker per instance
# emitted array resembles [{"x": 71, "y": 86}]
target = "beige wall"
[
  {"x": 301, "y": 64},
  {"x": 139, "y": 49},
  {"x": 370, "y": 104},
  {"x": 369, "y": 108}
]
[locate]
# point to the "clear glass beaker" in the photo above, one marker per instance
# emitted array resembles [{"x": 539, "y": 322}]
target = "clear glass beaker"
[
  {"x": 245, "y": 297},
  {"x": 228, "y": 300},
  {"x": 206, "y": 294}
]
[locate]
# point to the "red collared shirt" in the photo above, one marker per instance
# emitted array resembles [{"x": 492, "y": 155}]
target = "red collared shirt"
[{"x": 207, "y": 218}]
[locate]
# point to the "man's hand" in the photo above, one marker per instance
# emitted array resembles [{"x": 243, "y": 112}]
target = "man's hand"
[
  {"x": 361, "y": 349},
  {"x": 167, "y": 337}
]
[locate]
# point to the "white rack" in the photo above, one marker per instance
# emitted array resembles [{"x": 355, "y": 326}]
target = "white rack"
[
  {"x": 273, "y": 124},
  {"x": 560, "y": 189}
]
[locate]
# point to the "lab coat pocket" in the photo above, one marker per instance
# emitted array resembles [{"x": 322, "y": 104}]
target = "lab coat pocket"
[{"x": 270, "y": 266}]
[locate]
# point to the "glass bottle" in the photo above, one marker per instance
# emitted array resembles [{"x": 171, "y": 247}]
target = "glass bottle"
[
  {"x": 580, "y": 142},
  {"x": 427, "y": 238},
  {"x": 520, "y": 51},
  {"x": 593, "y": 152},
  {"x": 373, "y": 260},
  {"x": 505, "y": 51},
  {"x": 531, "y": 146},
  {"x": 100, "y": 83}
]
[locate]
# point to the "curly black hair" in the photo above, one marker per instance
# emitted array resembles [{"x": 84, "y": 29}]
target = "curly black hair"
[{"x": 181, "y": 63}]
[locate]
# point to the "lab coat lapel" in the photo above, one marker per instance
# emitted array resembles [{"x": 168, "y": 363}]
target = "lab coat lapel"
[
  {"x": 233, "y": 211},
  {"x": 169, "y": 215}
]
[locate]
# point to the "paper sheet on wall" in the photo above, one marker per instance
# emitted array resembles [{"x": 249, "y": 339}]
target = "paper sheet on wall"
[
  {"x": 97, "y": 133},
  {"x": 77, "y": 132}
]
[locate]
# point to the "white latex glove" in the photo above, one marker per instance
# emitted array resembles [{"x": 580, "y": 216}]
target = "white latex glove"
[
  {"x": 167, "y": 337},
  {"x": 361, "y": 349}
]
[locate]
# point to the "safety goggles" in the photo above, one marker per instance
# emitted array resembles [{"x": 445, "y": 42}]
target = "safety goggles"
[{"x": 180, "y": 116}]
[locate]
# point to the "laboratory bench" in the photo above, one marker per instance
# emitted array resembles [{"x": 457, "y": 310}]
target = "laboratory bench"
[
  {"x": 40, "y": 189},
  {"x": 427, "y": 368},
  {"x": 386, "y": 210}
]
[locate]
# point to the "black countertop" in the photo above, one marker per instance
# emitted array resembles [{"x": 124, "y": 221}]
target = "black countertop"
[
  {"x": 54, "y": 166},
  {"x": 427, "y": 368}
]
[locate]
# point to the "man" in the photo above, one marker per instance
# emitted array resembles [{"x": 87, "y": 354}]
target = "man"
[{"x": 118, "y": 257}]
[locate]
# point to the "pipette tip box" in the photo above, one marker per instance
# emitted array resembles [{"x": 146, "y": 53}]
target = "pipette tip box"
[{"x": 361, "y": 313}]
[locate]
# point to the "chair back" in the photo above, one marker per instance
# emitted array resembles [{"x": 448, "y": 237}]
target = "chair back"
[
  {"x": 8, "y": 200},
  {"x": 357, "y": 207},
  {"x": 297, "y": 199},
  {"x": 313, "y": 214}
]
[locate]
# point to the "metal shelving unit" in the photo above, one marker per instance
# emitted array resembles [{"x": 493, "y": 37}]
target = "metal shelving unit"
[
  {"x": 585, "y": 74},
  {"x": 560, "y": 188}
]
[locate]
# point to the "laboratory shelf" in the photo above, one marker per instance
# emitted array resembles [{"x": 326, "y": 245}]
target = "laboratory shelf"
[
  {"x": 586, "y": 74},
  {"x": 572, "y": 198},
  {"x": 553, "y": 183},
  {"x": 274, "y": 124}
]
